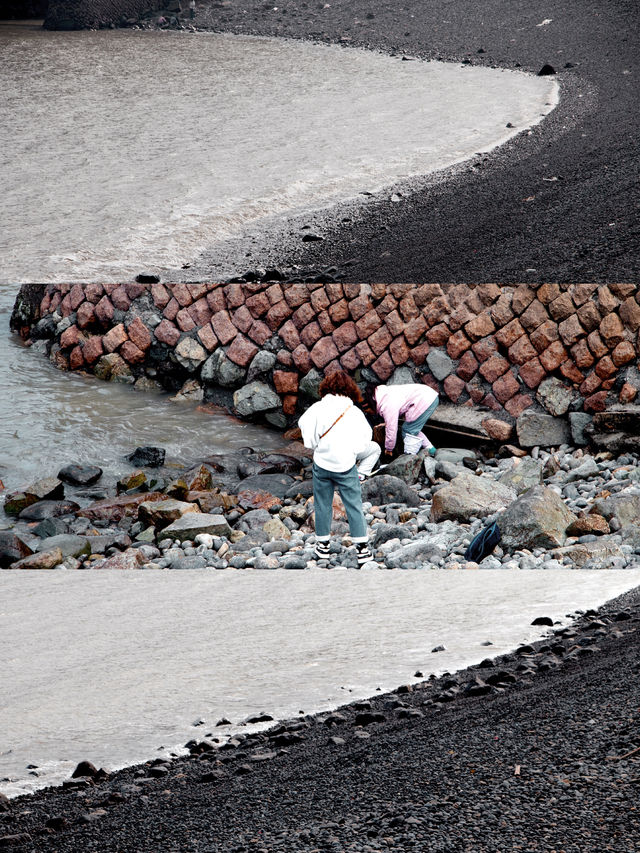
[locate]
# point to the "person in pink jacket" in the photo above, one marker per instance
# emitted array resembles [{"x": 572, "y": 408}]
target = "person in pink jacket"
[{"x": 415, "y": 403}]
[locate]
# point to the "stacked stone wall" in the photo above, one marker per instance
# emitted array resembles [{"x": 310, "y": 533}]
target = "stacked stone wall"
[{"x": 506, "y": 349}]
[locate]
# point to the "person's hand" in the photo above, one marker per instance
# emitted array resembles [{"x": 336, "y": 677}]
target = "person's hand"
[{"x": 388, "y": 453}]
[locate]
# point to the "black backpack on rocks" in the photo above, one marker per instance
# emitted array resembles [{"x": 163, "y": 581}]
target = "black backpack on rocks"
[{"x": 483, "y": 543}]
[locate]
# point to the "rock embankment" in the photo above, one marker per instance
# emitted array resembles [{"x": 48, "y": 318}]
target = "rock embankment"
[
  {"x": 254, "y": 511},
  {"x": 540, "y": 359}
]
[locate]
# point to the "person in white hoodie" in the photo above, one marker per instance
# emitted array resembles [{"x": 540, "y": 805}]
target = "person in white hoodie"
[{"x": 343, "y": 455}]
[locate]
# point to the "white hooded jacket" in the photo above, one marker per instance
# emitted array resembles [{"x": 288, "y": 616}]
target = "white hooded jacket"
[{"x": 349, "y": 436}]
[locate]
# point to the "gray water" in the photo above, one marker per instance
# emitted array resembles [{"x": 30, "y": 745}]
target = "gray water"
[
  {"x": 117, "y": 667},
  {"x": 49, "y": 418},
  {"x": 126, "y": 150}
]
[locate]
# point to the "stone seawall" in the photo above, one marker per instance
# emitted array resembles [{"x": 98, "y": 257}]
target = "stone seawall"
[{"x": 261, "y": 348}]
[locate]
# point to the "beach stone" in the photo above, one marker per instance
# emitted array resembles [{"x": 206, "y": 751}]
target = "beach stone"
[
  {"x": 276, "y": 485},
  {"x": 278, "y": 463},
  {"x": 625, "y": 507},
  {"x": 220, "y": 370},
  {"x": 537, "y": 430},
  {"x": 147, "y": 457},
  {"x": 303, "y": 489},
  {"x": 49, "y": 488},
  {"x": 80, "y": 475},
  {"x": 439, "y": 364},
  {"x": 12, "y": 548},
  {"x": 555, "y": 396},
  {"x": 469, "y": 496},
  {"x": 261, "y": 364},
  {"x": 455, "y": 455},
  {"x": 254, "y": 398},
  {"x": 419, "y": 553},
  {"x": 127, "y": 560},
  {"x": 48, "y": 509},
  {"x": 589, "y": 468},
  {"x": 191, "y": 392},
  {"x": 384, "y": 489},
  {"x": 146, "y": 536},
  {"x": 430, "y": 466},
  {"x": 276, "y": 529},
  {"x": 524, "y": 474},
  {"x": 188, "y": 526},
  {"x": 114, "y": 510},
  {"x": 131, "y": 481},
  {"x": 189, "y": 354},
  {"x": 255, "y": 519},
  {"x": 147, "y": 385},
  {"x": 497, "y": 429},
  {"x": 101, "y": 543},
  {"x": 537, "y": 519},
  {"x": 69, "y": 544},
  {"x": 387, "y": 532},
  {"x": 602, "y": 554},
  {"x": 577, "y": 423},
  {"x": 588, "y": 524},
  {"x": 446, "y": 470},
  {"x": 297, "y": 562},
  {"x": 266, "y": 562},
  {"x": 162, "y": 513},
  {"x": 113, "y": 368},
  {"x": 198, "y": 479},
  {"x": 407, "y": 467},
  {"x": 209, "y": 500},
  {"x": 41, "y": 560},
  {"x": 310, "y": 384},
  {"x": 188, "y": 563}
]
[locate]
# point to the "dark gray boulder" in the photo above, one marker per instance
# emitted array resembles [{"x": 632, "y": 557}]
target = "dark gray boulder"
[
  {"x": 385, "y": 489},
  {"x": 48, "y": 509},
  {"x": 537, "y": 519},
  {"x": 275, "y": 484},
  {"x": 147, "y": 457},
  {"x": 80, "y": 475}
]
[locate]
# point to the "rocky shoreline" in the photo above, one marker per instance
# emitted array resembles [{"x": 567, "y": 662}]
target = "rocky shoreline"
[
  {"x": 556, "y": 507},
  {"x": 534, "y": 750}
]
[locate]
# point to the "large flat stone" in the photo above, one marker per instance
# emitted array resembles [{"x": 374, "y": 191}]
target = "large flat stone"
[
  {"x": 42, "y": 560},
  {"x": 537, "y": 430},
  {"x": 193, "y": 523},
  {"x": 114, "y": 509},
  {"x": 69, "y": 544},
  {"x": 468, "y": 496},
  {"x": 162, "y": 513}
]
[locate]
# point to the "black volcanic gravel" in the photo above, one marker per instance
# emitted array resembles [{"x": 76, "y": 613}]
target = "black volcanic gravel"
[
  {"x": 498, "y": 217},
  {"x": 538, "y": 750}
]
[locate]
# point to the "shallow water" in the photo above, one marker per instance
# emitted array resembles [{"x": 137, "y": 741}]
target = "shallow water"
[
  {"x": 111, "y": 667},
  {"x": 49, "y": 418},
  {"x": 124, "y": 150}
]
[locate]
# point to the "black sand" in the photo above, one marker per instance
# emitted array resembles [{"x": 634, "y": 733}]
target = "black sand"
[
  {"x": 501, "y": 215},
  {"x": 539, "y": 751}
]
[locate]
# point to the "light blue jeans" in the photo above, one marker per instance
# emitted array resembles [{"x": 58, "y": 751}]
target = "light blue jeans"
[
  {"x": 414, "y": 427},
  {"x": 348, "y": 485}
]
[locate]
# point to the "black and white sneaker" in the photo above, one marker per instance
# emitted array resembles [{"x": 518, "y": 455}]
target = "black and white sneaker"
[
  {"x": 364, "y": 553},
  {"x": 322, "y": 550}
]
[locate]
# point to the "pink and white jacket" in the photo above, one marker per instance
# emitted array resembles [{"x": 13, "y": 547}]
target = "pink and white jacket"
[{"x": 410, "y": 400}]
